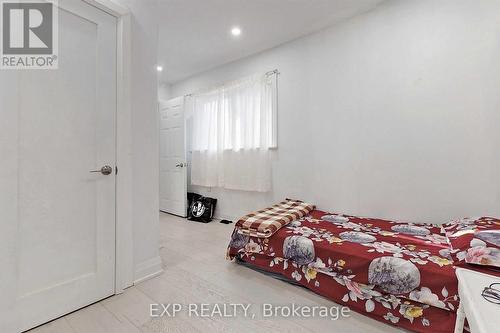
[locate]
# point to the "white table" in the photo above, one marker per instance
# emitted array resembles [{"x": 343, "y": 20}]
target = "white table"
[{"x": 482, "y": 316}]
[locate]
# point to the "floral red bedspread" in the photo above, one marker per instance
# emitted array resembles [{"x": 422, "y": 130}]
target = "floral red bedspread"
[{"x": 396, "y": 272}]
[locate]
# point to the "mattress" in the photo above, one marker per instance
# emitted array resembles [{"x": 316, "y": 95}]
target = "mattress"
[{"x": 396, "y": 272}]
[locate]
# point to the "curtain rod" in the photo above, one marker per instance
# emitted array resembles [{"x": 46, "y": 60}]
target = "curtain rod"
[
  {"x": 269, "y": 73},
  {"x": 274, "y": 71}
]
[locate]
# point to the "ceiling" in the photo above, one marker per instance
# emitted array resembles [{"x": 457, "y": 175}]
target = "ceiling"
[{"x": 195, "y": 34}]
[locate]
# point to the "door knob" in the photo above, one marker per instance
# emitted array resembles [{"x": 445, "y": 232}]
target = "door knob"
[
  {"x": 105, "y": 170},
  {"x": 180, "y": 165}
]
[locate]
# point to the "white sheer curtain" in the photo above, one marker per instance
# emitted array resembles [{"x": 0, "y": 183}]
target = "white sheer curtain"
[{"x": 234, "y": 128}]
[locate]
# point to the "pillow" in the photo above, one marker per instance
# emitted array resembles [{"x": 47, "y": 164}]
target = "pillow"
[{"x": 474, "y": 240}]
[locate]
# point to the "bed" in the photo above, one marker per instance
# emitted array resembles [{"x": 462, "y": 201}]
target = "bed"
[{"x": 396, "y": 272}]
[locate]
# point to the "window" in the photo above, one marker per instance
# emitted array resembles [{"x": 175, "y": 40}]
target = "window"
[{"x": 234, "y": 129}]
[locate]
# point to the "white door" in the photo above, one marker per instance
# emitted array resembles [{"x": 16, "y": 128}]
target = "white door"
[
  {"x": 58, "y": 218},
  {"x": 173, "y": 166}
]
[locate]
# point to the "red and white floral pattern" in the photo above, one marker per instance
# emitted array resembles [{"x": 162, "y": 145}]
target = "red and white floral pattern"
[
  {"x": 475, "y": 241},
  {"x": 399, "y": 273}
]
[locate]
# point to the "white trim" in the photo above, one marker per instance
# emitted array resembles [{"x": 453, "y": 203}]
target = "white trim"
[
  {"x": 124, "y": 255},
  {"x": 148, "y": 269},
  {"x": 225, "y": 217},
  {"x": 124, "y": 223},
  {"x": 109, "y": 7}
]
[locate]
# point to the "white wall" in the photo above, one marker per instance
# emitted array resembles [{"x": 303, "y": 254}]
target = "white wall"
[
  {"x": 394, "y": 113},
  {"x": 163, "y": 92},
  {"x": 144, "y": 145}
]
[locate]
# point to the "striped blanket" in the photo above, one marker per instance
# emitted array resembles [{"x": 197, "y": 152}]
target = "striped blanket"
[{"x": 264, "y": 223}]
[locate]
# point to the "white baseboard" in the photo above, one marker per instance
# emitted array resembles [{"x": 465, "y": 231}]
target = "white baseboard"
[
  {"x": 148, "y": 269},
  {"x": 225, "y": 217}
]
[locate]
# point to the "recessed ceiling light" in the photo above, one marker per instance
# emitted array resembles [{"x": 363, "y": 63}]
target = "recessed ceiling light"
[
  {"x": 236, "y": 31},
  {"x": 159, "y": 68}
]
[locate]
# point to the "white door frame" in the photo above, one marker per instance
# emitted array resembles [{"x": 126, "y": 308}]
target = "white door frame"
[{"x": 124, "y": 261}]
